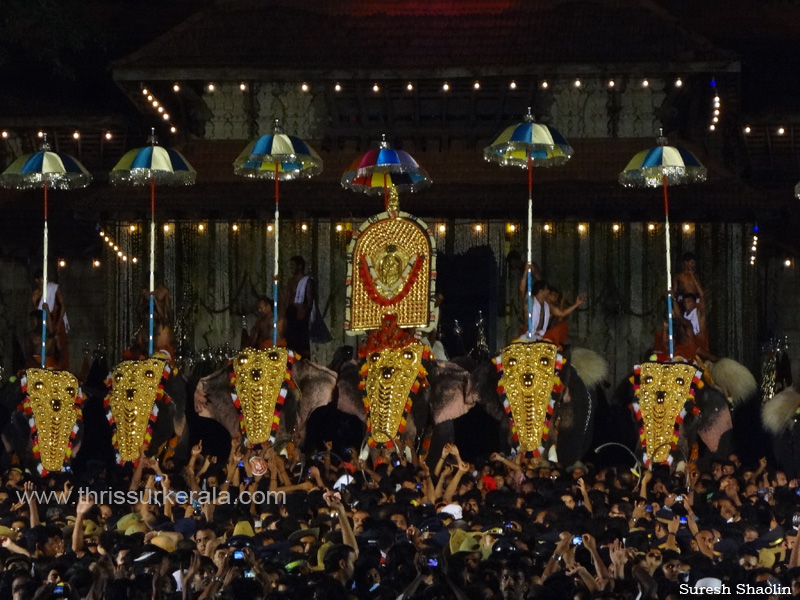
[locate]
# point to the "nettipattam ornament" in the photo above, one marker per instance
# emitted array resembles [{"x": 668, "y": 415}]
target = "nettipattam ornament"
[
  {"x": 135, "y": 387},
  {"x": 530, "y": 384},
  {"x": 53, "y": 405},
  {"x": 664, "y": 392},
  {"x": 260, "y": 381},
  {"x": 391, "y": 377}
]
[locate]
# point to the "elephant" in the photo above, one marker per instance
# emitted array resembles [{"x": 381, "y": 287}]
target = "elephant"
[
  {"x": 706, "y": 420},
  {"x": 779, "y": 416},
  {"x": 146, "y": 402},
  {"x": 314, "y": 386}
]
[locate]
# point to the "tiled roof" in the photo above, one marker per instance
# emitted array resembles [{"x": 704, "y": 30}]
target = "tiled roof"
[{"x": 362, "y": 38}]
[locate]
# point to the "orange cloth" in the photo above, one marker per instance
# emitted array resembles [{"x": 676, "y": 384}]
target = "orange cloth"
[{"x": 558, "y": 334}]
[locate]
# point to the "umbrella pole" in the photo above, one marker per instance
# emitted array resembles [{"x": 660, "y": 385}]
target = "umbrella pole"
[
  {"x": 44, "y": 279},
  {"x": 669, "y": 267},
  {"x": 529, "y": 296},
  {"x": 277, "y": 263},
  {"x": 151, "y": 324}
]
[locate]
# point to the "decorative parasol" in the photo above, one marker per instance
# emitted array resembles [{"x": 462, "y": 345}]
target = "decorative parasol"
[
  {"x": 280, "y": 157},
  {"x": 527, "y": 145},
  {"x": 384, "y": 168},
  {"x": 152, "y": 165},
  {"x": 664, "y": 166},
  {"x": 45, "y": 169}
]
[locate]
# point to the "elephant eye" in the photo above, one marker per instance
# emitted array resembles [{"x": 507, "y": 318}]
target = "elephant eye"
[
  {"x": 149, "y": 373},
  {"x": 648, "y": 379},
  {"x": 242, "y": 359},
  {"x": 375, "y": 357},
  {"x": 544, "y": 360},
  {"x": 408, "y": 355},
  {"x": 273, "y": 356},
  {"x": 512, "y": 362},
  {"x": 679, "y": 381}
]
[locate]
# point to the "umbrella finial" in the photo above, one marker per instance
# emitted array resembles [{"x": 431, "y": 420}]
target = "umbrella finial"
[
  {"x": 276, "y": 127},
  {"x": 152, "y": 139},
  {"x": 384, "y": 143},
  {"x": 529, "y": 116},
  {"x": 45, "y": 143},
  {"x": 661, "y": 140}
]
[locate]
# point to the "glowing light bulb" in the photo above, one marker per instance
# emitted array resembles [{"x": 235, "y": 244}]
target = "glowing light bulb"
[
  {"x": 787, "y": 262},
  {"x": 442, "y": 228},
  {"x": 166, "y": 228},
  {"x": 108, "y": 135},
  {"x": 144, "y": 91},
  {"x": 781, "y": 131},
  {"x": 615, "y": 227},
  {"x": 124, "y": 258},
  {"x": 62, "y": 263},
  {"x": 678, "y": 82},
  {"x": 165, "y": 116},
  {"x": 651, "y": 227},
  {"x": 512, "y": 85},
  {"x": 304, "y": 87},
  {"x": 410, "y": 87},
  {"x": 338, "y": 87},
  {"x": 176, "y": 88},
  {"x": 132, "y": 228},
  {"x": 269, "y": 228},
  {"x": 211, "y": 87},
  {"x": 611, "y": 83},
  {"x": 547, "y": 227},
  {"x": 4, "y": 134},
  {"x": 173, "y": 129},
  {"x": 712, "y": 127},
  {"x": 577, "y": 83},
  {"x": 512, "y": 228},
  {"x": 545, "y": 85},
  {"x": 304, "y": 227},
  {"x": 116, "y": 248},
  {"x": 76, "y": 135},
  {"x": 687, "y": 227},
  {"x": 119, "y": 253},
  {"x": 201, "y": 228},
  {"x": 747, "y": 129},
  {"x": 716, "y": 113},
  {"x": 235, "y": 227},
  {"x": 243, "y": 87},
  {"x": 476, "y": 85},
  {"x": 339, "y": 227},
  {"x": 376, "y": 88},
  {"x": 645, "y": 83},
  {"x": 478, "y": 227},
  {"x": 155, "y": 103},
  {"x": 446, "y": 87},
  {"x": 581, "y": 228},
  {"x": 161, "y": 109},
  {"x": 40, "y": 134},
  {"x": 95, "y": 263},
  {"x": 134, "y": 260},
  {"x": 149, "y": 98}
]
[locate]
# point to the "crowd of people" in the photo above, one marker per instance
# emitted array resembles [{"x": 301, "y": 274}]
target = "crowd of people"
[{"x": 279, "y": 524}]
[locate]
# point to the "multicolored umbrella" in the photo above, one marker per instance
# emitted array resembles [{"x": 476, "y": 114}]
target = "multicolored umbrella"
[
  {"x": 45, "y": 169},
  {"x": 383, "y": 168},
  {"x": 527, "y": 145},
  {"x": 664, "y": 166},
  {"x": 152, "y": 165},
  {"x": 280, "y": 157}
]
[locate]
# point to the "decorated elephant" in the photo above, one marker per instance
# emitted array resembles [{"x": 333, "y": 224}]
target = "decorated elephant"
[
  {"x": 677, "y": 405},
  {"x": 45, "y": 419},
  {"x": 780, "y": 415},
  {"x": 146, "y": 409}
]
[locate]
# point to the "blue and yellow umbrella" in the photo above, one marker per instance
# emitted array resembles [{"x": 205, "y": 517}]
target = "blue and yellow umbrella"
[
  {"x": 527, "y": 145},
  {"x": 152, "y": 165},
  {"x": 280, "y": 157},
  {"x": 664, "y": 166},
  {"x": 45, "y": 169}
]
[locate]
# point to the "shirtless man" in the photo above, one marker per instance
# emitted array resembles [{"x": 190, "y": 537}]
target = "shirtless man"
[
  {"x": 543, "y": 310},
  {"x": 261, "y": 333},
  {"x": 163, "y": 332},
  {"x": 686, "y": 281}
]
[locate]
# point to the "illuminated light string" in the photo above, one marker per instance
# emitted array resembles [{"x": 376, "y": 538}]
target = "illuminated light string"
[
  {"x": 716, "y": 108},
  {"x": 158, "y": 107},
  {"x": 113, "y": 247},
  {"x": 754, "y": 247}
]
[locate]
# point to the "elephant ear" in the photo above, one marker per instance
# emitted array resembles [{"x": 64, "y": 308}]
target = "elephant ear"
[
  {"x": 212, "y": 399},
  {"x": 734, "y": 379},
  {"x": 316, "y": 385},
  {"x": 482, "y": 389},
  {"x": 715, "y": 416},
  {"x": 590, "y": 366},
  {"x": 351, "y": 398},
  {"x": 449, "y": 385},
  {"x": 780, "y": 413}
]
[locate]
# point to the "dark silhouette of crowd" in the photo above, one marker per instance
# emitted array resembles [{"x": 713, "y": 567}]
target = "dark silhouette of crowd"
[{"x": 331, "y": 526}]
